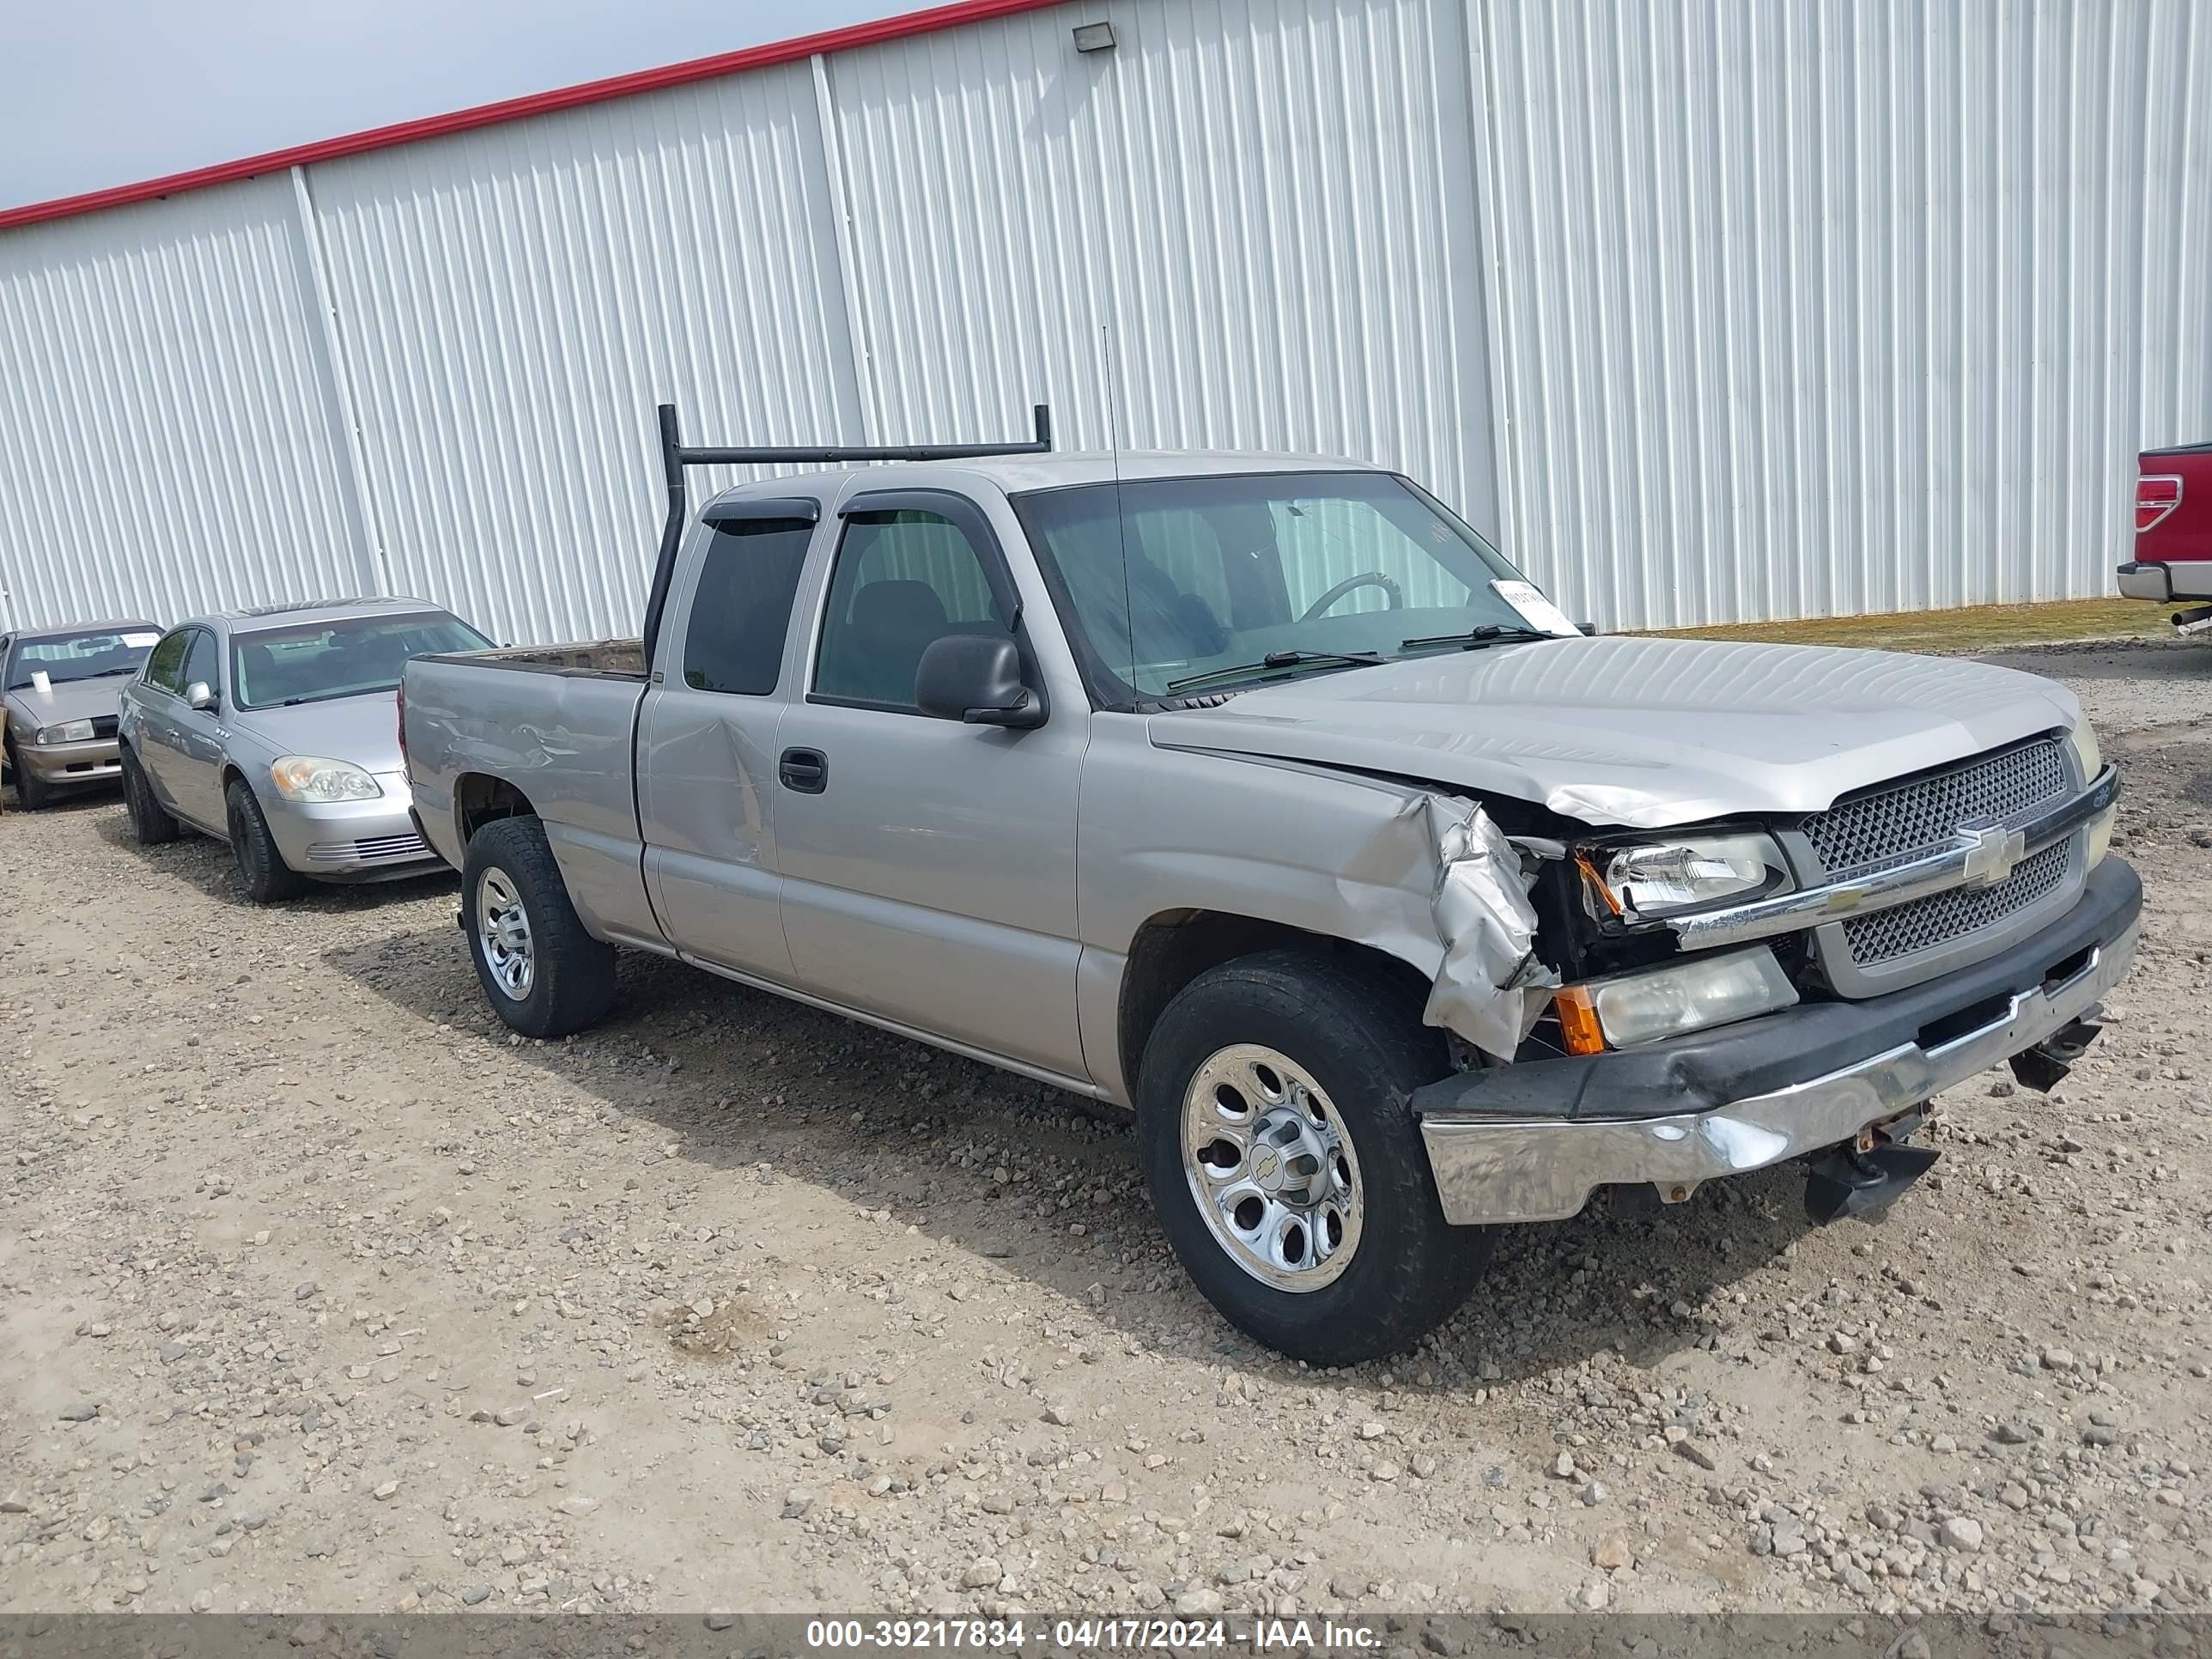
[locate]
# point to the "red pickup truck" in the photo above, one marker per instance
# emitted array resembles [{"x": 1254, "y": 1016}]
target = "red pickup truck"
[{"x": 2173, "y": 533}]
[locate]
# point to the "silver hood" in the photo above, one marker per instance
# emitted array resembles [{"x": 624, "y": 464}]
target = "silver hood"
[
  {"x": 1643, "y": 733},
  {"x": 70, "y": 700},
  {"x": 364, "y": 730}
]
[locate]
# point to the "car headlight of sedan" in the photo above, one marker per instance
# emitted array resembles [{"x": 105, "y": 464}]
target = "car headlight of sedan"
[
  {"x": 2082, "y": 743},
  {"x": 312, "y": 778},
  {"x": 1685, "y": 872},
  {"x": 66, "y": 731}
]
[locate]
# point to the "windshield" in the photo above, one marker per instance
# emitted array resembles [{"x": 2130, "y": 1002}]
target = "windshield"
[
  {"x": 350, "y": 657},
  {"x": 1176, "y": 580},
  {"x": 90, "y": 656}
]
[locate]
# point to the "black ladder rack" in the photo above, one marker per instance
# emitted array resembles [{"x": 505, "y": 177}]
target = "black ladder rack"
[{"x": 676, "y": 455}]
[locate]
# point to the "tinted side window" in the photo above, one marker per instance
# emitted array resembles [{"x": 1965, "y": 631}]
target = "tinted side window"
[
  {"x": 742, "y": 609},
  {"x": 200, "y": 662},
  {"x": 164, "y": 669},
  {"x": 903, "y": 579}
]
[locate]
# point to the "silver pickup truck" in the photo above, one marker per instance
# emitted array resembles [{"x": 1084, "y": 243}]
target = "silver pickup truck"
[{"x": 1263, "y": 797}]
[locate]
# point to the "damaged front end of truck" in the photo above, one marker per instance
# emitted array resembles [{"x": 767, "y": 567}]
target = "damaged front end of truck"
[{"x": 1652, "y": 1010}]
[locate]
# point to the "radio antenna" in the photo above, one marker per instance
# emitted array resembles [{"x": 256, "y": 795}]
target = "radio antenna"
[{"x": 1120, "y": 517}]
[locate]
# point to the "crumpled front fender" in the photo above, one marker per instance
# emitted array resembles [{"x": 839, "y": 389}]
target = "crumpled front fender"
[{"x": 1490, "y": 987}]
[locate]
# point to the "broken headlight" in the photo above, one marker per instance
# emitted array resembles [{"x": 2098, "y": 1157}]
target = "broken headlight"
[{"x": 1686, "y": 872}]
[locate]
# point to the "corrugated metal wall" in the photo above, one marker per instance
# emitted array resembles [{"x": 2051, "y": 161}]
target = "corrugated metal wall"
[
  {"x": 513, "y": 303},
  {"x": 1716, "y": 309},
  {"x": 1842, "y": 306},
  {"x": 164, "y": 445},
  {"x": 1256, "y": 210}
]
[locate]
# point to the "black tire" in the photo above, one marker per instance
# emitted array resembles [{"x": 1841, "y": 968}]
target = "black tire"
[
  {"x": 1359, "y": 1038},
  {"x": 261, "y": 871},
  {"x": 570, "y": 982},
  {"x": 32, "y": 794},
  {"x": 150, "y": 821}
]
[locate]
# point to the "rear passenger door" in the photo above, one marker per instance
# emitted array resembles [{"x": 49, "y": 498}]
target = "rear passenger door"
[
  {"x": 706, "y": 760},
  {"x": 928, "y": 866}
]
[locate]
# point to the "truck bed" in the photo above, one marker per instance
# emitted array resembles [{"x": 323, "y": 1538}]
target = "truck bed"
[
  {"x": 620, "y": 660},
  {"x": 556, "y": 725}
]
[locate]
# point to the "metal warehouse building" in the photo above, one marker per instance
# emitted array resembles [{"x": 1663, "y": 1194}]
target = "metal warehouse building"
[{"x": 1707, "y": 309}]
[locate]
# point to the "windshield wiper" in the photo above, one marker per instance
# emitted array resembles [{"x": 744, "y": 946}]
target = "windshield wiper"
[
  {"x": 1475, "y": 638},
  {"x": 77, "y": 679},
  {"x": 1282, "y": 660}
]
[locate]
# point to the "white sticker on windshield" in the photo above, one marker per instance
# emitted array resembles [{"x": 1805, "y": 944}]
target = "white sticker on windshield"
[
  {"x": 134, "y": 641},
  {"x": 1538, "y": 612}
]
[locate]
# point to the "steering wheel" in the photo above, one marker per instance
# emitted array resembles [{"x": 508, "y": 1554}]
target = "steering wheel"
[{"x": 1351, "y": 584}]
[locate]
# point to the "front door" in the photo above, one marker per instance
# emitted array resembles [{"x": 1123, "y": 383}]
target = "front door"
[
  {"x": 928, "y": 867},
  {"x": 201, "y": 739},
  {"x": 175, "y": 743}
]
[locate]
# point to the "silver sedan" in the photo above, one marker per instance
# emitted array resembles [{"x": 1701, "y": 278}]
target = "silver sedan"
[
  {"x": 58, "y": 703},
  {"x": 277, "y": 730}
]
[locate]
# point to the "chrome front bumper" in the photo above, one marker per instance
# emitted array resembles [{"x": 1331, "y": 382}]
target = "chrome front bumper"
[{"x": 1505, "y": 1170}]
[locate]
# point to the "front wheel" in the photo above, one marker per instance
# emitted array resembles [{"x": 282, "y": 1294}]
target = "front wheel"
[
  {"x": 1276, "y": 1124},
  {"x": 540, "y": 967},
  {"x": 32, "y": 794},
  {"x": 261, "y": 871}
]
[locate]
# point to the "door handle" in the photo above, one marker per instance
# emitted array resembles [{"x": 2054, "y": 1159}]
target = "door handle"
[{"x": 804, "y": 771}]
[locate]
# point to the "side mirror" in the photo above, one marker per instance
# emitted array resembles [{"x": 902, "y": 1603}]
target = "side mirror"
[
  {"x": 1586, "y": 627},
  {"x": 200, "y": 696},
  {"x": 975, "y": 678}
]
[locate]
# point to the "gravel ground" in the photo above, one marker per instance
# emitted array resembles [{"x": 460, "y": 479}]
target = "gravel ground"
[{"x": 322, "y": 1292}]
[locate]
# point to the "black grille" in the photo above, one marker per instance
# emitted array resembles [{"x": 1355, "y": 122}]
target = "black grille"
[{"x": 103, "y": 726}]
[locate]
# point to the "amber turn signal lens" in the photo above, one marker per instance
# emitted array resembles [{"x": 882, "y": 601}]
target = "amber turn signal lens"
[
  {"x": 1578, "y": 1025},
  {"x": 1597, "y": 882}
]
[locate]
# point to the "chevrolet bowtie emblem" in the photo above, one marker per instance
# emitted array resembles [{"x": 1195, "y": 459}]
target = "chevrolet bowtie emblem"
[{"x": 1992, "y": 850}]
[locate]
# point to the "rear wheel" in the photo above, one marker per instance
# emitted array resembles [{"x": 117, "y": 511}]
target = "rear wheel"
[
  {"x": 151, "y": 822},
  {"x": 1276, "y": 1122},
  {"x": 261, "y": 871},
  {"x": 32, "y": 794},
  {"x": 541, "y": 969}
]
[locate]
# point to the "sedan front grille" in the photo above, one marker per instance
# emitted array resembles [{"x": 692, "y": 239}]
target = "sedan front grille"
[
  {"x": 1940, "y": 918},
  {"x": 378, "y": 849},
  {"x": 103, "y": 726},
  {"x": 1892, "y": 823}
]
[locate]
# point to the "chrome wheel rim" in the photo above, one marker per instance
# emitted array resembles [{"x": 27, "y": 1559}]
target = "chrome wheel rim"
[
  {"x": 1272, "y": 1167},
  {"x": 503, "y": 935}
]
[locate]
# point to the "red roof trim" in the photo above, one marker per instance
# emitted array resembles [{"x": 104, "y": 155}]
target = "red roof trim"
[{"x": 536, "y": 103}]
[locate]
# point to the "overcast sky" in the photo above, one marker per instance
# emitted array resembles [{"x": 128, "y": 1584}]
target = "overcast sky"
[{"x": 95, "y": 93}]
